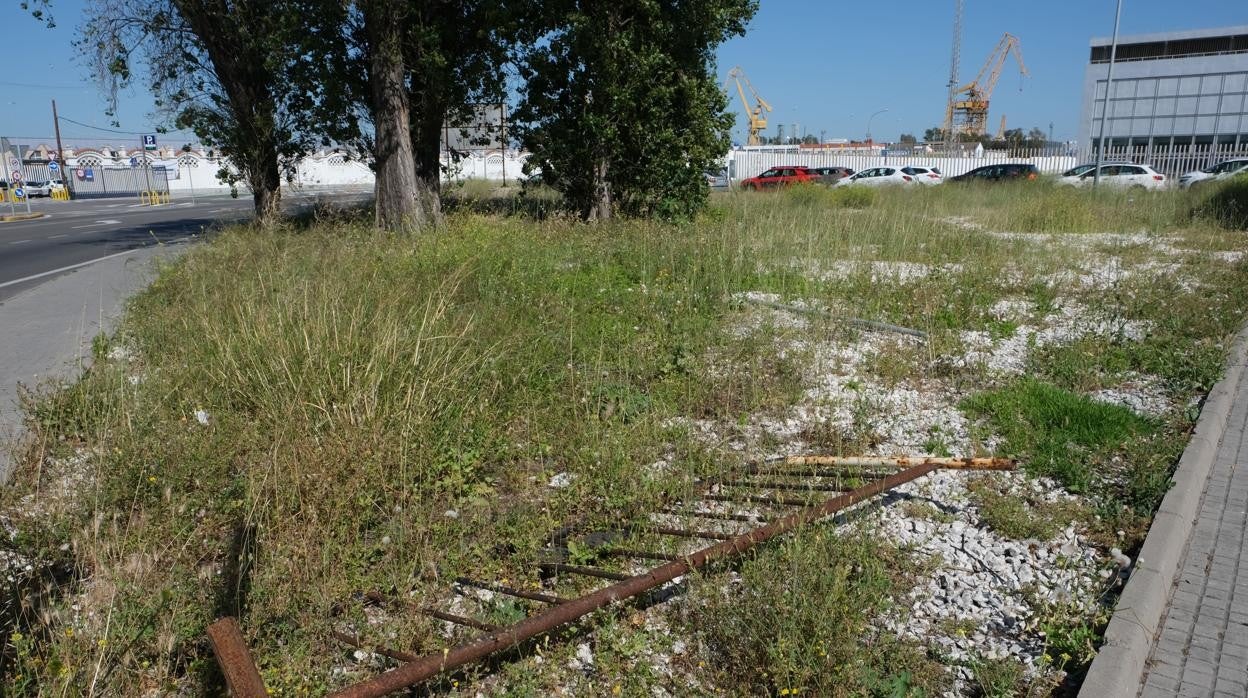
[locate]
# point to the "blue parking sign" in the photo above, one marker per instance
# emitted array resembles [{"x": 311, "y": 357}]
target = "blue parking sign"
[{"x": 149, "y": 142}]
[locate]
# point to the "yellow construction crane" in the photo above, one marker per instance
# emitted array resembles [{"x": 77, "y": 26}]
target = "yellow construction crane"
[
  {"x": 757, "y": 121},
  {"x": 967, "y": 111}
]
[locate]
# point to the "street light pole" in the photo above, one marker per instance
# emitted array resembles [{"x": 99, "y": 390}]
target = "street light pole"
[
  {"x": 869, "y": 119},
  {"x": 1109, "y": 86}
]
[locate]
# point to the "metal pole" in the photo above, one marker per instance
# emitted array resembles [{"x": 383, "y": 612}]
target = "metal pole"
[
  {"x": 60, "y": 150},
  {"x": 8, "y": 193},
  {"x": 502, "y": 121},
  {"x": 147, "y": 175},
  {"x": 1109, "y": 87},
  {"x": 191, "y": 182}
]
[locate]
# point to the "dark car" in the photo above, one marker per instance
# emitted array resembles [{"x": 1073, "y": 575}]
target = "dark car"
[
  {"x": 1008, "y": 172},
  {"x": 829, "y": 175},
  {"x": 780, "y": 177}
]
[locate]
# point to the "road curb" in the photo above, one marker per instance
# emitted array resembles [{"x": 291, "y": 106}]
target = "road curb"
[
  {"x": 13, "y": 218},
  {"x": 1118, "y": 669}
]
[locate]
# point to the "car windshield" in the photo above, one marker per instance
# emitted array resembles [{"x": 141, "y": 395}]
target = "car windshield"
[{"x": 1078, "y": 171}]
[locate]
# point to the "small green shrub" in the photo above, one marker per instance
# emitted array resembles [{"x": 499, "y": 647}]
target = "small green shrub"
[
  {"x": 796, "y": 623},
  {"x": 852, "y": 197},
  {"x": 1056, "y": 432},
  {"x": 1225, "y": 205}
]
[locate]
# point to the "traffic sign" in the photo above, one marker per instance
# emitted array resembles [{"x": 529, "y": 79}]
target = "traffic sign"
[
  {"x": 53, "y": 167},
  {"x": 149, "y": 142},
  {"x": 16, "y": 176},
  {"x": 19, "y": 193}
]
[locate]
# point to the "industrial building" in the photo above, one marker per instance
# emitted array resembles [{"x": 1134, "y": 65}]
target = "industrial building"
[{"x": 1172, "y": 92}]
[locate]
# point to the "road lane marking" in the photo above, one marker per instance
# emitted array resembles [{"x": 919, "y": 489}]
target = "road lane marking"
[
  {"x": 53, "y": 237},
  {"x": 18, "y": 242},
  {"x": 97, "y": 223},
  {"x": 79, "y": 265}
]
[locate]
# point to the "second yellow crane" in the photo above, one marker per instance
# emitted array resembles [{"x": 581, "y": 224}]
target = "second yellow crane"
[
  {"x": 754, "y": 115},
  {"x": 967, "y": 111}
]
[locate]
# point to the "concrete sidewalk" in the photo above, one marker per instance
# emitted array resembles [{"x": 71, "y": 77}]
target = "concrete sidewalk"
[
  {"x": 1202, "y": 648},
  {"x": 46, "y": 331}
]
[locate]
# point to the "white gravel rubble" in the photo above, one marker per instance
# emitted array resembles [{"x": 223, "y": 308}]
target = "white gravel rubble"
[
  {"x": 979, "y": 603},
  {"x": 1071, "y": 321},
  {"x": 1142, "y": 393},
  {"x": 1229, "y": 256}
]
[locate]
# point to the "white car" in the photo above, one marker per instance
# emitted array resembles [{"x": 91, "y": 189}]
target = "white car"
[
  {"x": 1116, "y": 176},
  {"x": 877, "y": 177},
  {"x": 924, "y": 175},
  {"x": 1221, "y": 170},
  {"x": 38, "y": 189}
]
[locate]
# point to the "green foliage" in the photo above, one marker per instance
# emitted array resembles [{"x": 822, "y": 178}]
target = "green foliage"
[
  {"x": 1057, "y": 433},
  {"x": 796, "y": 623},
  {"x": 621, "y": 109},
  {"x": 1225, "y": 203},
  {"x": 1020, "y": 517},
  {"x": 998, "y": 678}
]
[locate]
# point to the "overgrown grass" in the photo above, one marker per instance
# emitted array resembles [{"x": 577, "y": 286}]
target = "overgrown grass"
[
  {"x": 1060, "y": 434},
  {"x": 386, "y": 412},
  {"x": 797, "y": 622}
]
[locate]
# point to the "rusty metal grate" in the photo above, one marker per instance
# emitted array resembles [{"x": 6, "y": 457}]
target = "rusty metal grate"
[{"x": 761, "y": 485}]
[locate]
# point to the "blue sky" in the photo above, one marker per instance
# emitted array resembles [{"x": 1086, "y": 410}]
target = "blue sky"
[{"x": 823, "y": 64}]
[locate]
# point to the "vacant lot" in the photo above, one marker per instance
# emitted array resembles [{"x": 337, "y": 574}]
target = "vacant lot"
[{"x": 288, "y": 419}]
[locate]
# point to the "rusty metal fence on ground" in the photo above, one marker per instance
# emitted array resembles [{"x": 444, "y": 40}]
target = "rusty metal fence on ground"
[{"x": 736, "y": 512}]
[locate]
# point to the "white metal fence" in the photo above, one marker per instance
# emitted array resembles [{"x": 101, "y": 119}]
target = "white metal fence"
[{"x": 745, "y": 163}]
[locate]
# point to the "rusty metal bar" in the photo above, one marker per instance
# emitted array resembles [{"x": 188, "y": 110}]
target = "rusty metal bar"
[
  {"x": 415, "y": 672},
  {"x": 785, "y": 486},
  {"x": 241, "y": 675},
  {"x": 716, "y": 515},
  {"x": 641, "y": 554},
  {"x": 828, "y": 474},
  {"x": 457, "y": 620},
  {"x": 356, "y": 642},
  {"x": 558, "y": 567},
  {"x": 519, "y": 593},
  {"x": 680, "y": 532},
  {"x": 905, "y": 462},
  {"x": 760, "y": 498},
  {"x": 431, "y": 612}
]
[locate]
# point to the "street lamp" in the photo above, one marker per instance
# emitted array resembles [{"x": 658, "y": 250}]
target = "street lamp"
[
  {"x": 1109, "y": 86},
  {"x": 869, "y": 122}
]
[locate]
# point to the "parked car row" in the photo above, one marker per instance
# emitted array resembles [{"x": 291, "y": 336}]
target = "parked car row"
[
  {"x": 34, "y": 190},
  {"x": 1114, "y": 175}
]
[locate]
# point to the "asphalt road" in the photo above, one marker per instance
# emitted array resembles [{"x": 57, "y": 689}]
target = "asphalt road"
[{"x": 74, "y": 233}]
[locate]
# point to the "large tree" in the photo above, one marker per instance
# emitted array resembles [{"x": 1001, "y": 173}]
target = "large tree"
[
  {"x": 218, "y": 67},
  {"x": 457, "y": 52},
  {"x": 621, "y": 109},
  {"x": 398, "y": 203}
]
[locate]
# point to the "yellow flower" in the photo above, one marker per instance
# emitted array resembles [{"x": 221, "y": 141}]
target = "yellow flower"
[
  {"x": 151, "y": 478},
  {"x": 615, "y": 690}
]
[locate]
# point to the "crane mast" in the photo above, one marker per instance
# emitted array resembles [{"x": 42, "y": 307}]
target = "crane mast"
[
  {"x": 954, "y": 79},
  {"x": 969, "y": 113},
  {"x": 755, "y": 115}
]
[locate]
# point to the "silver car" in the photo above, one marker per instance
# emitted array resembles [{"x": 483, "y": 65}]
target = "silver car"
[{"x": 1223, "y": 169}]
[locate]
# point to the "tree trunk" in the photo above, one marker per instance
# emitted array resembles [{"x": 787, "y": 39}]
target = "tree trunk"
[
  {"x": 600, "y": 206},
  {"x": 430, "y": 112},
  {"x": 266, "y": 191},
  {"x": 398, "y": 190}
]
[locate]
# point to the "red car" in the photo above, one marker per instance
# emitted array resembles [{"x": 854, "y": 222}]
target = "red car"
[{"x": 780, "y": 177}]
